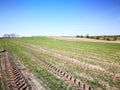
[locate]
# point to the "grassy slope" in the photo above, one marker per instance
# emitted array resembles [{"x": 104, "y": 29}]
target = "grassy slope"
[
  {"x": 107, "y": 51},
  {"x": 47, "y": 78}
]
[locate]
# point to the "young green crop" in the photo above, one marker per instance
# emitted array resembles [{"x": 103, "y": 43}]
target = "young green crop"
[
  {"x": 41, "y": 73},
  {"x": 108, "y": 52}
]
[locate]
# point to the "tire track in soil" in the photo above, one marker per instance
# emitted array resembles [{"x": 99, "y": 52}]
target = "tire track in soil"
[
  {"x": 33, "y": 47},
  {"x": 75, "y": 62},
  {"x": 65, "y": 76},
  {"x": 34, "y": 83},
  {"x": 87, "y": 58},
  {"x": 31, "y": 79},
  {"x": 12, "y": 78}
]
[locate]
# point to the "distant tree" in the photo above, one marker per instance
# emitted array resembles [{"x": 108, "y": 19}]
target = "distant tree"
[
  {"x": 87, "y": 36},
  {"x": 108, "y": 38},
  {"x": 6, "y": 36},
  {"x": 79, "y": 36},
  {"x": 104, "y": 37},
  {"x": 10, "y": 36},
  {"x": 114, "y": 38},
  {"x": 91, "y": 37},
  {"x": 97, "y": 37}
]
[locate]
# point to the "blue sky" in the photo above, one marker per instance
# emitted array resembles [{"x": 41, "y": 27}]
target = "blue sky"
[{"x": 60, "y": 17}]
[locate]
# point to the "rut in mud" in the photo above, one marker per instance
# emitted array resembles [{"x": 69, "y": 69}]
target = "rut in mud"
[
  {"x": 11, "y": 77},
  {"x": 15, "y": 76}
]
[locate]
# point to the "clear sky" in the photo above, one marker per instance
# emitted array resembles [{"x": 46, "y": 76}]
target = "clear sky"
[{"x": 60, "y": 17}]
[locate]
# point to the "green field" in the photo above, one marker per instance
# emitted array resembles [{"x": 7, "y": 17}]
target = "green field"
[{"x": 99, "y": 63}]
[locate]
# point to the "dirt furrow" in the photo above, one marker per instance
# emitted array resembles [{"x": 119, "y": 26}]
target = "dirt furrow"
[{"x": 65, "y": 76}]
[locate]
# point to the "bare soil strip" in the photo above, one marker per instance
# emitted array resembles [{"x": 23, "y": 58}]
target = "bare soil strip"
[{"x": 83, "y": 39}]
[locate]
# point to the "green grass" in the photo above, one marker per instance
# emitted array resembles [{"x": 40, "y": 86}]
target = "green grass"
[
  {"x": 101, "y": 50},
  {"x": 109, "y": 52},
  {"x": 41, "y": 73}
]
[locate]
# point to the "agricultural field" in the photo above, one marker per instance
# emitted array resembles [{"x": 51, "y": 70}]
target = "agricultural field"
[{"x": 54, "y": 64}]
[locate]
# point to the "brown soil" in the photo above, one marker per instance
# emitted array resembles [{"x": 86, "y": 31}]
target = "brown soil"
[
  {"x": 83, "y": 39},
  {"x": 11, "y": 77},
  {"x": 34, "y": 83}
]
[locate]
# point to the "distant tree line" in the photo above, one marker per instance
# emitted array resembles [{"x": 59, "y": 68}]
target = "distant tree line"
[
  {"x": 104, "y": 37},
  {"x": 10, "y": 36}
]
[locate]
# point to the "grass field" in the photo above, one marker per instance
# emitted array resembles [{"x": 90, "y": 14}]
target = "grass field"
[{"x": 96, "y": 64}]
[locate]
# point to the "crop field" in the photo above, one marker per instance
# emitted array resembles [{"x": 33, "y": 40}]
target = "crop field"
[{"x": 54, "y": 64}]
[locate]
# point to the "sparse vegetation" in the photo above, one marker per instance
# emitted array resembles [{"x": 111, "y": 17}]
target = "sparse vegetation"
[{"x": 103, "y": 56}]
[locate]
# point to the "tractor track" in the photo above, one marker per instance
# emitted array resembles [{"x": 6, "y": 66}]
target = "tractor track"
[
  {"x": 75, "y": 62},
  {"x": 15, "y": 80},
  {"x": 65, "y": 76}
]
